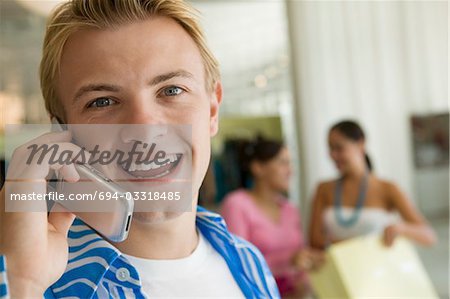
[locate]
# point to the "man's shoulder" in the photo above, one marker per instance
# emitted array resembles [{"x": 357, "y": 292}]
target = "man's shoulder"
[{"x": 90, "y": 258}]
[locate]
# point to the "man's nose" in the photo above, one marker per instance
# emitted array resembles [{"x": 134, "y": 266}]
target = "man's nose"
[
  {"x": 143, "y": 123},
  {"x": 142, "y": 132}
]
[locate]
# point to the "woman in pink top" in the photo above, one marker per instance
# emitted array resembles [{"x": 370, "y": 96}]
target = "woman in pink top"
[{"x": 263, "y": 216}]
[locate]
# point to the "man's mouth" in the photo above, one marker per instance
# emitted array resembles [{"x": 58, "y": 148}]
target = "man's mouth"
[{"x": 153, "y": 170}]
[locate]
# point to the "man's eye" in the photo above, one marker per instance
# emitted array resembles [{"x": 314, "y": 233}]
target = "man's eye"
[
  {"x": 101, "y": 102},
  {"x": 172, "y": 91}
]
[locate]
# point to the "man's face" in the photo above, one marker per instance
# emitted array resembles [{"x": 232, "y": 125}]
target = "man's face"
[{"x": 147, "y": 72}]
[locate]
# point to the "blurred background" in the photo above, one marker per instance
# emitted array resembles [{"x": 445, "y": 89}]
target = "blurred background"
[{"x": 290, "y": 70}]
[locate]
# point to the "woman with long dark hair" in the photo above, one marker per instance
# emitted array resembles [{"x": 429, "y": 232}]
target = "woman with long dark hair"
[
  {"x": 359, "y": 202},
  {"x": 262, "y": 215}
]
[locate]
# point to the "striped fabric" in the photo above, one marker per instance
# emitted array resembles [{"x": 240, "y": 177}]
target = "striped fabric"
[
  {"x": 3, "y": 282},
  {"x": 96, "y": 269}
]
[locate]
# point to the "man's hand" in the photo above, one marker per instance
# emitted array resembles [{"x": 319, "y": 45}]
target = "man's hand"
[{"x": 35, "y": 245}]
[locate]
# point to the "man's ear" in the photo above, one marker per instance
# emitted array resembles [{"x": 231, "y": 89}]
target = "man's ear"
[{"x": 216, "y": 99}]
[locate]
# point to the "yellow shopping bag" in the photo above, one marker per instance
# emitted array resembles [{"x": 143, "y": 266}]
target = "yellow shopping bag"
[{"x": 364, "y": 268}]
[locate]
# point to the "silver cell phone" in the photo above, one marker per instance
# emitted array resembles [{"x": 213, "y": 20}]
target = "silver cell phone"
[{"x": 113, "y": 224}]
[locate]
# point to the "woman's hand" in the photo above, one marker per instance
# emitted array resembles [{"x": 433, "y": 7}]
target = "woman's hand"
[
  {"x": 309, "y": 259},
  {"x": 390, "y": 233},
  {"x": 421, "y": 233}
]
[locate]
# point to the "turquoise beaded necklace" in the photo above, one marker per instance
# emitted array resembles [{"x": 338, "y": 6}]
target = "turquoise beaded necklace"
[{"x": 348, "y": 222}]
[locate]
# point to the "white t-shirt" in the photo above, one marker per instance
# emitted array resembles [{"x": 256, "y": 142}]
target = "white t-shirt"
[{"x": 202, "y": 274}]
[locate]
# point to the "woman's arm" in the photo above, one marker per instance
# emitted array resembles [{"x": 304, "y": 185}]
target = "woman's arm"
[
  {"x": 414, "y": 225},
  {"x": 317, "y": 234}
]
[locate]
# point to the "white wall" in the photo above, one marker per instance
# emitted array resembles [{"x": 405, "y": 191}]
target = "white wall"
[{"x": 376, "y": 62}]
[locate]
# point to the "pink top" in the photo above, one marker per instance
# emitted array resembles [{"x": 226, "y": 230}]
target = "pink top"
[{"x": 278, "y": 242}]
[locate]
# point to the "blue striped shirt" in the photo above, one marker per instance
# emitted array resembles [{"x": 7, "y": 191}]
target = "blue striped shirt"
[{"x": 96, "y": 269}]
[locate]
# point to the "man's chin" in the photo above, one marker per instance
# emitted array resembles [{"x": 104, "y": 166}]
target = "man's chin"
[{"x": 154, "y": 217}]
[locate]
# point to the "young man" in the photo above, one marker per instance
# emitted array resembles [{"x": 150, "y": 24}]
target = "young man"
[{"x": 127, "y": 62}]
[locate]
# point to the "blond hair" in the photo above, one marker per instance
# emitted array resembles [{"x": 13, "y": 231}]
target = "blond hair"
[{"x": 76, "y": 15}]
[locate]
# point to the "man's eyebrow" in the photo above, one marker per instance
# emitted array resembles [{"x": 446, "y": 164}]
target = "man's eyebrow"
[
  {"x": 114, "y": 88},
  {"x": 167, "y": 76},
  {"x": 95, "y": 87}
]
